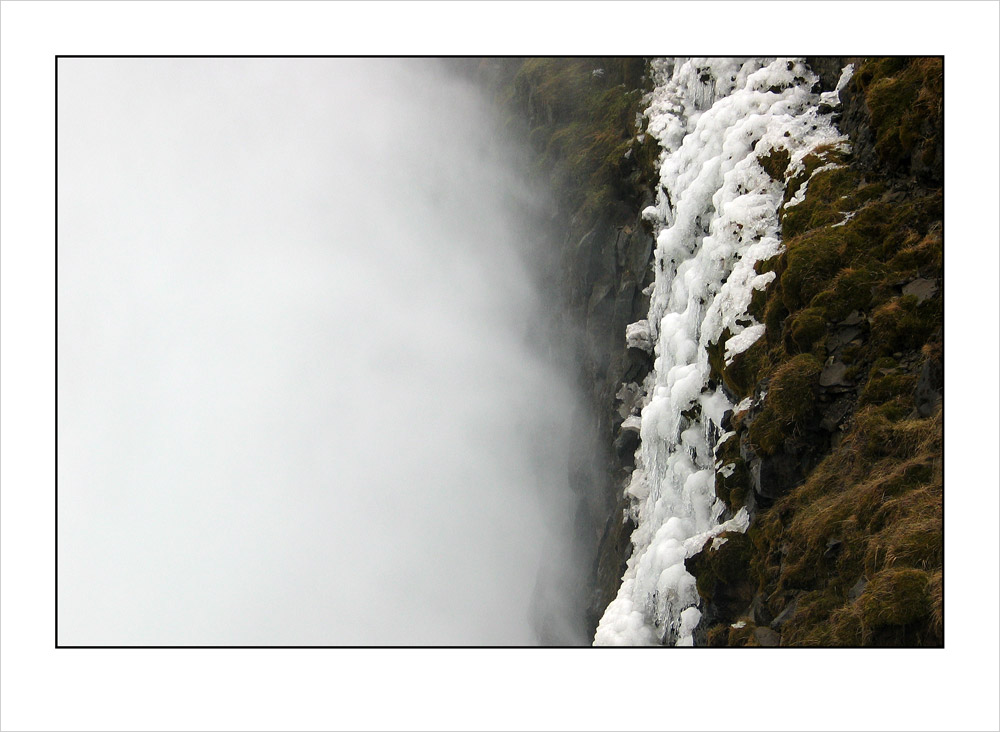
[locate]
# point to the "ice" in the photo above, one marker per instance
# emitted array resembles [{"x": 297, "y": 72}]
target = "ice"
[
  {"x": 716, "y": 216},
  {"x": 638, "y": 335}
]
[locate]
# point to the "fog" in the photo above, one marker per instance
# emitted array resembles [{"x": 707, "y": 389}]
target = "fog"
[{"x": 305, "y": 392}]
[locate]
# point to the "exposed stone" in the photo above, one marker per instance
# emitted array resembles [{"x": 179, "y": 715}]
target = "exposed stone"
[
  {"x": 854, "y": 318},
  {"x": 786, "y": 614},
  {"x": 930, "y": 384},
  {"x": 834, "y": 374},
  {"x": 841, "y": 337},
  {"x": 921, "y": 288},
  {"x": 767, "y": 637},
  {"x": 856, "y": 589},
  {"x": 836, "y": 412}
]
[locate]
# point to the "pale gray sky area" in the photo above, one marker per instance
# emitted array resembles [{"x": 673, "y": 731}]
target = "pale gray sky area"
[{"x": 299, "y": 400}]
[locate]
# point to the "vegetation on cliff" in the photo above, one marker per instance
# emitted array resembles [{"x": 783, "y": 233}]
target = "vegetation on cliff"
[
  {"x": 845, "y": 424},
  {"x": 839, "y": 455}
]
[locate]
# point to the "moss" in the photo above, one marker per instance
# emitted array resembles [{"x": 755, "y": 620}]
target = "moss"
[
  {"x": 873, "y": 505},
  {"x": 904, "y": 324},
  {"x": 807, "y": 627},
  {"x": 743, "y": 372},
  {"x": 894, "y": 597},
  {"x": 905, "y": 99},
  {"x": 832, "y": 194},
  {"x": 731, "y": 489},
  {"x": 583, "y": 130},
  {"x": 850, "y": 290},
  {"x": 726, "y": 564},
  {"x": 877, "y": 500},
  {"x": 825, "y": 154},
  {"x": 883, "y": 387},
  {"x": 718, "y": 636},
  {"x": 806, "y": 327},
  {"x": 791, "y": 398},
  {"x": 812, "y": 260},
  {"x": 775, "y": 163}
]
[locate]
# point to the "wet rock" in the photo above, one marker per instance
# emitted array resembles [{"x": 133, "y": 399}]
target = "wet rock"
[
  {"x": 638, "y": 363},
  {"x": 612, "y": 556},
  {"x": 828, "y": 69},
  {"x": 625, "y": 446},
  {"x": 630, "y": 396}
]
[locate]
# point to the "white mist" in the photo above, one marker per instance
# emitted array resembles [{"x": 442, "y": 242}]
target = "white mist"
[{"x": 298, "y": 400}]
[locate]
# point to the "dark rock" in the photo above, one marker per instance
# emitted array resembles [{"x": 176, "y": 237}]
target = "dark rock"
[
  {"x": 922, "y": 289},
  {"x": 775, "y": 475},
  {"x": 856, "y": 589},
  {"x": 767, "y": 637},
  {"x": 758, "y": 612},
  {"x": 786, "y": 614},
  {"x": 629, "y": 395},
  {"x": 841, "y": 337},
  {"x": 625, "y": 446},
  {"x": 928, "y": 392},
  {"x": 854, "y": 318},
  {"x": 833, "y": 547},
  {"x": 638, "y": 363},
  {"x": 828, "y": 69},
  {"x": 612, "y": 556},
  {"x": 824, "y": 109},
  {"x": 727, "y": 420},
  {"x": 836, "y": 412},
  {"x": 834, "y": 374}
]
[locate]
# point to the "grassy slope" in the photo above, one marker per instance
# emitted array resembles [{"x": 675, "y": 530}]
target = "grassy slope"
[{"x": 857, "y": 547}]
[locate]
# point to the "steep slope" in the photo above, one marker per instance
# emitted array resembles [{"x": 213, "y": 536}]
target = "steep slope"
[{"x": 760, "y": 463}]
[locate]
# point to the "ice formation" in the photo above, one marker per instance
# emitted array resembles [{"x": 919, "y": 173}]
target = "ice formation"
[{"x": 716, "y": 216}]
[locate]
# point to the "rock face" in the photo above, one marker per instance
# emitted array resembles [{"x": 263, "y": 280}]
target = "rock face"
[
  {"x": 853, "y": 472},
  {"x": 601, "y": 266},
  {"x": 858, "y": 292}
]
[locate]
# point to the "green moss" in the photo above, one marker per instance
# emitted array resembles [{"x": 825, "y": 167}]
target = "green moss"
[
  {"x": 905, "y": 99},
  {"x": 904, "y": 324},
  {"x": 726, "y": 565},
  {"x": 583, "y": 129},
  {"x": 806, "y": 327},
  {"x": 883, "y": 387},
  {"x": 832, "y": 194},
  {"x": 791, "y": 398},
  {"x": 775, "y": 163},
  {"x": 812, "y": 260},
  {"x": 826, "y": 154},
  {"x": 731, "y": 488},
  {"x": 873, "y": 504},
  {"x": 850, "y": 290}
]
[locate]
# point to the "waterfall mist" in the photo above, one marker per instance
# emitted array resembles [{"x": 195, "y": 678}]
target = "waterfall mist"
[{"x": 307, "y": 395}]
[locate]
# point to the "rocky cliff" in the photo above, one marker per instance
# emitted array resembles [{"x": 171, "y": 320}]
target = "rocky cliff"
[{"x": 835, "y": 447}]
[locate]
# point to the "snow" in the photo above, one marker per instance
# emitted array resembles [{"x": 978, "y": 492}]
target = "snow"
[
  {"x": 716, "y": 216},
  {"x": 632, "y": 424},
  {"x": 638, "y": 335}
]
